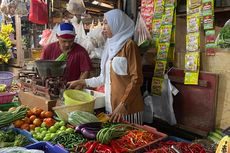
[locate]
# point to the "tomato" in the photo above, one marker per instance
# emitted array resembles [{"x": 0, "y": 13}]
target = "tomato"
[
  {"x": 48, "y": 114},
  {"x": 49, "y": 122},
  {"x": 42, "y": 115},
  {"x": 36, "y": 111},
  {"x": 18, "y": 123},
  {"x": 52, "y": 129},
  {"x": 26, "y": 120},
  {"x": 25, "y": 126},
  {"x": 32, "y": 127},
  {"x": 32, "y": 118},
  {"x": 37, "y": 122},
  {"x": 29, "y": 113}
]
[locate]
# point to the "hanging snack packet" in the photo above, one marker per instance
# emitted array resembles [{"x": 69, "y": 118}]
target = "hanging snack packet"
[
  {"x": 208, "y": 22},
  {"x": 165, "y": 34},
  {"x": 210, "y": 36},
  {"x": 197, "y": 10},
  {"x": 192, "y": 41},
  {"x": 191, "y": 78},
  {"x": 158, "y": 9},
  {"x": 210, "y": 49},
  {"x": 156, "y": 24},
  {"x": 162, "y": 52},
  {"x": 207, "y": 7},
  {"x": 156, "y": 86},
  {"x": 160, "y": 67},
  {"x": 193, "y": 23},
  {"x": 193, "y": 3},
  {"x": 168, "y": 16},
  {"x": 191, "y": 61},
  {"x": 169, "y": 3}
]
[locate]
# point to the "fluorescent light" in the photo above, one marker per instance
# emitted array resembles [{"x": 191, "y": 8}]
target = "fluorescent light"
[
  {"x": 95, "y": 2},
  {"x": 106, "y": 5}
]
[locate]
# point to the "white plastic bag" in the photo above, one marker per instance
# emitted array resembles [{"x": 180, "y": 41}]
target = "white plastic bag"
[
  {"x": 141, "y": 33},
  {"x": 75, "y": 7},
  {"x": 163, "y": 105},
  {"x": 53, "y": 36}
]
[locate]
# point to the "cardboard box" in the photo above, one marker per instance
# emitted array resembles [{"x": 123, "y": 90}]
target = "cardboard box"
[{"x": 31, "y": 100}]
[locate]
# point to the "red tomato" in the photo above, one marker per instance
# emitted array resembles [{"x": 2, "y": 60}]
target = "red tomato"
[
  {"x": 42, "y": 115},
  {"x": 37, "y": 122},
  {"x": 49, "y": 121},
  {"x": 48, "y": 114},
  {"x": 32, "y": 118},
  {"x": 25, "y": 126}
]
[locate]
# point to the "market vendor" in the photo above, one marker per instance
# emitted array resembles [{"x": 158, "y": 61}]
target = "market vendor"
[
  {"x": 121, "y": 71},
  {"x": 78, "y": 61}
]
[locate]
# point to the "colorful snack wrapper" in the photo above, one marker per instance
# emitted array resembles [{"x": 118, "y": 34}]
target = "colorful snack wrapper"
[
  {"x": 192, "y": 42},
  {"x": 158, "y": 9},
  {"x": 168, "y": 16},
  {"x": 192, "y": 61},
  {"x": 193, "y": 23},
  {"x": 165, "y": 34},
  {"x": 208, "y": 7},
  {"x": 160, "y": 67},
  {"x": 210, "y": 36},
  {"x": 193, "y": 3},
  {"x": 162, "y": 52},
  {"x": 191, "y": 78},
  {"x": 156, "y": 87},
  {"x": 208, "y": 22},
  {"x": 210, "y": 49}
]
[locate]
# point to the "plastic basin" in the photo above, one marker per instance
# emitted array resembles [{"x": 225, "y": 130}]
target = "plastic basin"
[{"x": 73, "y": 97}]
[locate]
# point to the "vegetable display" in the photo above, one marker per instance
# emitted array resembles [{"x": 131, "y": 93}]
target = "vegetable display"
[
  {"x": 71, "y": 141},
  {"x": 223, "y": 40},
  {"x": 166, "y": 147},
  {"x": 10, "y": 138},
  {"x": 8, "y": 117},
  {"x": 89, "y": 130},
  {"x": 79, "y": 117}
]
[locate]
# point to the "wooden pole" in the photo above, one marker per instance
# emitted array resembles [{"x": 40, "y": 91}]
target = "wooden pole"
[{"x": 20, "y": 52}]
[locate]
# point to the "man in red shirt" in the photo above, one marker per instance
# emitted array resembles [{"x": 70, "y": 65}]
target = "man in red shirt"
[{"x": 78, "y": 61}]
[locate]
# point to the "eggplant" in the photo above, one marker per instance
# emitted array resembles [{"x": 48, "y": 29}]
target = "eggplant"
[
  {"x": 89, "y": 134},
  {"x": 91, "y": 126}
]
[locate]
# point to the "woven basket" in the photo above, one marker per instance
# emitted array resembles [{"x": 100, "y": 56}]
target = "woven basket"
[
  {"x": 6, "y": 78},
  {"x": 6, "y": 97},
  {"x": 62, "y": 111}
]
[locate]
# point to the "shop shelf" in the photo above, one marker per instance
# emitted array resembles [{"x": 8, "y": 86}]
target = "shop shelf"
[{"x": 47, "y": 147}]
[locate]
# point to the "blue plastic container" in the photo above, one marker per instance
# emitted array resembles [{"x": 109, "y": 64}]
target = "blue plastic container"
[
  {"x": 176, "y": 139},
  {"x": 47, "y": 147},
  {"x": 26, "y": 133}
]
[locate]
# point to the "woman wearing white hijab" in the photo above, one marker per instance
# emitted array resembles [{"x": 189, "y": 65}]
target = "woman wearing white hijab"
[{"x": 121, "y": 71}]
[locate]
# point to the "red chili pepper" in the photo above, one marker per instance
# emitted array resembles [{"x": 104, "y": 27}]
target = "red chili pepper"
[
  {"x": 104, "y": 148},
  {"x": 92, "y": 147}
]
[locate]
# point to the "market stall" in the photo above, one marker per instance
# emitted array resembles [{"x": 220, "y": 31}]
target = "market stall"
[{"x": 185, "y": 85}]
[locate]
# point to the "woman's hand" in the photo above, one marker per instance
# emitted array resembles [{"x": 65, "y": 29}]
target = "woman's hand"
[
  {"x": 117, "y": 115},
  {"x": 77, "y": 84}
]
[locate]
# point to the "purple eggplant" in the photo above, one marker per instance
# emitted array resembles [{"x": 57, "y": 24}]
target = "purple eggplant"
[
  {"x": 89, "y": 134},
  {"x": 92, "y": 126}
]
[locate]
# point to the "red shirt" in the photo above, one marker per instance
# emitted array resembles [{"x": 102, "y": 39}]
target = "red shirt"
[{"x": 78, "y": 59}]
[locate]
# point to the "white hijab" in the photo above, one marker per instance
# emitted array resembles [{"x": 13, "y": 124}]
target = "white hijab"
[{"x": 122, "y": 28}]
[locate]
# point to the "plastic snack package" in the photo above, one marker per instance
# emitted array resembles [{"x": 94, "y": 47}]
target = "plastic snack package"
[
  {"x": 192, "y": 41},
  {"x": 160, "y": 67},
  {"x": 162, "y": 52},
  {"x": 210, "y": 36},
  {"x": 193, "y": 23},
  {"x": 208, "y": 22},
  {"x": 192, "y": 61},
  {"x": 165, "y": 33},
  {"x": 156, "y": 87},
  {"x": 191, "y": 78},
  {"x": 168, "y": 16},
  {"x": 207, "y": 7}
]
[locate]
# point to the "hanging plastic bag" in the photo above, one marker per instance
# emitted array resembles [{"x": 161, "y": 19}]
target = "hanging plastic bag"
[
  {"x": 223, "y": 38},
  {"x": 148, "y": 107},
  {"x": 53, "y": 36},
  {"x": 141, "y": 34},
  {"x": 38, "y": 12},
  {"x": 75, "y": 7},
  {"x": 163, "y": 105},
  {"x": 45, "y": 36}
]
